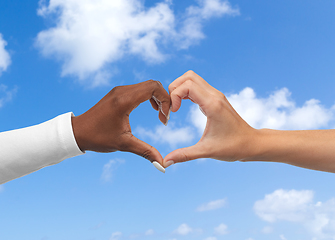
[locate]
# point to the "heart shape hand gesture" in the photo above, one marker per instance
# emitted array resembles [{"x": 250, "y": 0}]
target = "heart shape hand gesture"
[{"x": 105, "y": 127}]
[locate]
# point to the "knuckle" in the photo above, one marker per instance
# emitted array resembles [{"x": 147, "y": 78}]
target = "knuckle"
[
  {"x": 185, "y": 158},
  {"x": 188, "y": 83},
  {"x": 146, "y": 154},
  {"x": 190, "y": 72},
  {"x": 174, "y": 95},
  {"x": 123, "y": 146},
  {"x": 218, "y": 105},
  {"x": 155, "y": 83},
  {"x": 118, "y": 96},
  {"x": 171, "y": 88},
  {"x": 150, "y": 81},
  {"x": 115, "y": 90},
  {"x": 124, "y": 141}
]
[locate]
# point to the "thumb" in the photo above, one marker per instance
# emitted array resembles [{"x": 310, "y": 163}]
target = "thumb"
[
  {"x": 137, "y": 146},
  {"x": 183, "y": 155}
]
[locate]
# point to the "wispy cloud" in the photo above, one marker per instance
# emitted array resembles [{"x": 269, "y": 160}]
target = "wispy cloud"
[
  {"x": 299, "y": 207},
  {"x": 183, "y": 230},
  {"x": 282, "y": 237},
  {"x": 191, "y": 30},
  {"x": 150, "y": 232},
  {"x": 170, "y": 135},
  {"x": 6, "y": 95},
  {"x": 222, "y": 229},
  {"x": 5, "y": 60},
  {"x": 277, "y": 111},
  {"x": 210, "y": 238},
  {"x": 89, "y": 35},
  {"x": 116, "y": 236},
  {"x": 212, "y": 205},
  {"x": 284, "y": 205},
  {"x": 109, "y": 168}
]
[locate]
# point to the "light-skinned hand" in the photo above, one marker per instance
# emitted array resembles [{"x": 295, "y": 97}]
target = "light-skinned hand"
[{"x": 226, "y": 135}]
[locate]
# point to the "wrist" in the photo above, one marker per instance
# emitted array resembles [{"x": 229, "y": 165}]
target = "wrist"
[
  {"x": 78, "y": 132},
  {"x": 258, "y": 146}
]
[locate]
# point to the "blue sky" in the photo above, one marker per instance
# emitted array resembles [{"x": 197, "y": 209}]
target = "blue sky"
[{"x": 274, "y": 60}]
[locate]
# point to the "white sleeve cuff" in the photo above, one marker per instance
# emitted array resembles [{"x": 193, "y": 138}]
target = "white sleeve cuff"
[
  {"x": 26, "y": 150},
  {"x": 66, "y": 136}
]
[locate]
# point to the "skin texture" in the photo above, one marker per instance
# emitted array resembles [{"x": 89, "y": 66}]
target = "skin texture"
[
  {"x": 105, "y": 127},
  {"x": 228, "y": 137},
  {"x": 226, "y": 133}
]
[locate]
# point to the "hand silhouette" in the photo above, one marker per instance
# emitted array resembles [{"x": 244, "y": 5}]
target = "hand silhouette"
[{"x": 105, "y": 127}]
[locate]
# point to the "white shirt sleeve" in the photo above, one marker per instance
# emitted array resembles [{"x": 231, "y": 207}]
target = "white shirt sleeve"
[{"x": 26, "y": 150}]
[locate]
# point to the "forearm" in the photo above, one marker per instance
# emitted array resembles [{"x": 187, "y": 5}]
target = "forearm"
[
  {"x": 26, "y": 150},
  {"x": 312, "y": 149}
]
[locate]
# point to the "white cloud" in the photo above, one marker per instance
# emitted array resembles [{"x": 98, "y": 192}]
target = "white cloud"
[
  {"x": 284, "y": 205},
  {"x": 211, "y": 238},
  {"x": 90, "y": 34},
  {"x": 282, "y": 237},
  {"x": 109, "y": 168},
  {"x": 116, "y": 236},
  {"x": 134, "y": 236},
  {"x": 167, "y": 134},
  {"x": 191, "y": 31},
  {"x": 183, "y": 229},
  {"x": 4, "y": 55},
  {"x": 6, "y": 95},
  {"x": 212, "y": 205},
  {"x": 222, "y": 229},
  {"x": 149, "y": 232},
  {"x": 197, "y": 118},
  {"x": 277, "y": 111},
  {"x": 298, "y": 206}
]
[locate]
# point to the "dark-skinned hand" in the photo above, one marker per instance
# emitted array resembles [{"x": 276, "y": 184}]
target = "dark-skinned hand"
[{"x": 105, "y": 127}]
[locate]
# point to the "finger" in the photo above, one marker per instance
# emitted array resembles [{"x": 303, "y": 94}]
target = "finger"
[
  {"x": 183, "y": 155},
  {"x": 191, "y": 90},
  {"x": 153, "y": 90},
  {"x": 161, "y": 96},
  {"x": 137, "y": 146},
  {"x": 189, "y": 75},
  {"x": 154, "y": 104},
  {"x": 162, "y": 117}
]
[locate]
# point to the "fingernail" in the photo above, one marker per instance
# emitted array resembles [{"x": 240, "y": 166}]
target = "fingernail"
[
  {"x": 168, "y": 163},
  {"x": 158, "y": 166},
  {"x": 161, "y": 110},
  {"x": 156, "y": 100},
  {"x": 167, "y": 117}
]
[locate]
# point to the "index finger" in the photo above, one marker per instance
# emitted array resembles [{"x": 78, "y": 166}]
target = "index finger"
[
  {"x": 192, "y": 90},
  {"x": 190, "y": 75},
  {"x": 154, "y": 91}
]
